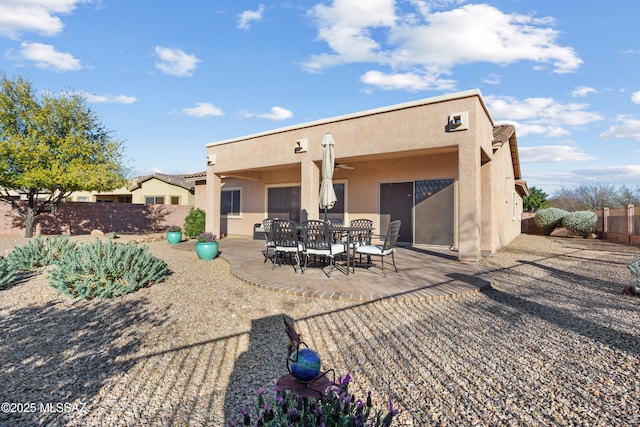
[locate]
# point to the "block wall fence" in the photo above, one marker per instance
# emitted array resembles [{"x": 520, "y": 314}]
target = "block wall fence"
[
  {"x": 83, "y": 217},
  {"x": 621, "y": 225}
]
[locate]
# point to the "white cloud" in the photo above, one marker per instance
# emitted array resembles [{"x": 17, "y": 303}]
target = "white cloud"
[
  {"x": 430, "y": 44},
  {"x": 623, "y": 173},
  {"x": 277, "y": 114},
  {"x": 552, "y": 153},
  {"x": 407, "y": 81},
  {"x": 541, "y": 115},
  {"x": 583, "y": 91},
  {"x": 628, "y": 127},
  {"x": 553, "y": 180},
  {"x": 346, "y": 26},
  {"x": 248, "y": 16},
  {"x": 106, "y": 98},
  {"x": 492, "y": 79},
  {"x": 203, "y": 109},
  {"x": 175, "y": 62},
  {"x": 635, "y": 97},
  {"x": 37, "y": 16},
  {"x": 45, "y": 56}
]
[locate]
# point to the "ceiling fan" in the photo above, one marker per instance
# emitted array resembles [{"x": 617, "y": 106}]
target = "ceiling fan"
[{"x": 341, "y": 166}]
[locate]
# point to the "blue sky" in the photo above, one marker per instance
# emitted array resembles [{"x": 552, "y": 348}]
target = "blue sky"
[{"x": 170, "y": 77}]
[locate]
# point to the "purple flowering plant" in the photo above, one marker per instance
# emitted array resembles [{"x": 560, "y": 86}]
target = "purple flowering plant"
[
  {"x": 206, "y": 237},
  {"x": 336, "y": 408}
]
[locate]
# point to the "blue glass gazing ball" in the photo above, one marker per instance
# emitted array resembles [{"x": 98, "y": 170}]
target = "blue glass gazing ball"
[{"x": 304, "y": 365}]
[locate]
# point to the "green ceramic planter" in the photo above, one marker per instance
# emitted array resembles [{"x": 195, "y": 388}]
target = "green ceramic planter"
[
  {"x": 174, "y": 237},
  {"x": 207, "y": 250}
]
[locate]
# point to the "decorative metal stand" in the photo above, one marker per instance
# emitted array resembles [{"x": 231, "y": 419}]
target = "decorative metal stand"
[{"x": 306, "y": 381}]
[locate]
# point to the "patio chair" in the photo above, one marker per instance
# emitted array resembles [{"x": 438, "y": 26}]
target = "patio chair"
[
  {"x": 269, "y": 244},
  {"x": 360, "y": 237},
  {"x": 337, "y": 236},
  {"x": 318, "y": 242},
  {"x": 285, "y": 238},
  {"x": 388, "y": 248}
]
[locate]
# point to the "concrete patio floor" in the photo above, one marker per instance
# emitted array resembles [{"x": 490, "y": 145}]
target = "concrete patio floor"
[{"x": 424, "y": 273}]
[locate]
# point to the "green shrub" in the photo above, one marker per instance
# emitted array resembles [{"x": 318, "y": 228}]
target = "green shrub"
[
  {"x": 549, "y": 218},
  {"x": 582, "y": 223},
  {"x": 194, "y": 223},
  {"x": 7, "y": 272},
  {"x": 105, "y": 270},
  {"x": 40, "y": 252},
  {"x": 634, "y": 267}
]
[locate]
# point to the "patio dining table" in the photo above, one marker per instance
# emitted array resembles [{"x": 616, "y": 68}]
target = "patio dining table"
[{"x": 344, "y": 230}]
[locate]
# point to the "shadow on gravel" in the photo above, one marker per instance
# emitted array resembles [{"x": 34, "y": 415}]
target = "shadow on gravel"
[
  {"x": 56, "y": 353},
  {"x": 614, "y": 338},
  {"x": 267, "y": 353},
  {"x": 574, "y": 279},
  {"x": 20, "y": 278}
]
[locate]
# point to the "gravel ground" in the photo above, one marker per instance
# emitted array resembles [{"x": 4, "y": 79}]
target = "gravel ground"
[{"x": 552, "y": 342}]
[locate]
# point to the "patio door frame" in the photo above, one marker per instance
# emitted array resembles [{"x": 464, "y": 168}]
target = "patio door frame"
[
  {"x": 413, "y": 209},
  {"x": 280, "y": 185},
  {"x": 382, "y": 226}
]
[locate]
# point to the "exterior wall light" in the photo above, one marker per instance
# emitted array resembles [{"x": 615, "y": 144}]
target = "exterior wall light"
[{"x": 301, "y": 145}]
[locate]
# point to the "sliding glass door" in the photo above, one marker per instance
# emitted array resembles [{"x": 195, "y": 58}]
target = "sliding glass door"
[{"x": 284, "y": 203}]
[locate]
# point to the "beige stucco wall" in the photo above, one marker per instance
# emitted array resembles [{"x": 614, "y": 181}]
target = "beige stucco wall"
[
  {"x": 199, "y": 194},
  {"x": 507, "y": 221},
  {"x": 156, "y": 187},
  {"x": 399, "y": 143},
  {"x": 361, "y": 186}
]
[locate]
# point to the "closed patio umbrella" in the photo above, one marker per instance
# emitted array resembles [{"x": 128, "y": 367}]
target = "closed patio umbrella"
[{"x": 327, "y": 194}]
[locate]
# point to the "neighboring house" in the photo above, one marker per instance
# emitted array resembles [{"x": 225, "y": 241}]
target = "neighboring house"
[
  {"x": 155, "y": 189},
  {"x": 438, "y": 164},
  {"x": 161, "y": 189},
  {"x": 120, "y": 195}
]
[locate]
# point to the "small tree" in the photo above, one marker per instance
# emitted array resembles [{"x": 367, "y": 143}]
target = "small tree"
[
  {"x": 194, "y": 223},
  {"x": 537, "y": 199},
  {"x": 595, "y": 195},
  {"x": 50, "y": 147},
  {"x": 564, "y": 198},
  {"x": 628, "y": 196}
]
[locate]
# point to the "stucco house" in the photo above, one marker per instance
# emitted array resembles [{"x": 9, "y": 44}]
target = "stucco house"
[
  {"x": 440, "y": 165},
  {"x": 154, "y": 189},
  {"x": 163, "y": 189},
  {"x": 119, "y": 195}
]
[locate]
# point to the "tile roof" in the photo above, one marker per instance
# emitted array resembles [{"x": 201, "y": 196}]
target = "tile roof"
[
  {"x": 503, "y": 134},
  {"x": 196, "y": 175},
  {"x": 177, "y": 180}
]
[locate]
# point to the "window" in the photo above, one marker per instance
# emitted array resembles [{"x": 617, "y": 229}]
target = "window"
[
  {"x": 83, "y": 199},
  {"x": 230, "y": 202},
  {"x": 284, "y": 203},
  {"x": 154, "y": 200},
  {"x": 175, "y": 200}
]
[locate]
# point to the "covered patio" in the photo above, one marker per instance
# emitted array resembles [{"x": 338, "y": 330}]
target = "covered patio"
[
  {"x": 439, "y": 165},
  {"x": 424, "y": 273}
]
